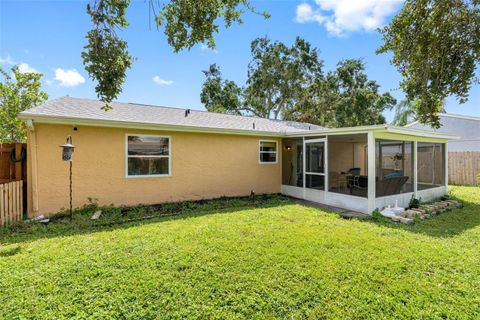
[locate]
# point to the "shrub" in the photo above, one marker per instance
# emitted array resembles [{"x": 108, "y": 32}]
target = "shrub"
[
  {"x": 376, "y": 215},
  {"x": 414, "y": 202}
]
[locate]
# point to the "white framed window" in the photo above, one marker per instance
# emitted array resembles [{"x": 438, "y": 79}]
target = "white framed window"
[
  {"x": 147, "y": 155},
  {"x": 268, "y": 151}
]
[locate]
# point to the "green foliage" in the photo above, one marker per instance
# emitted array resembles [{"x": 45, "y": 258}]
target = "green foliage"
[
  {"x": 220, "y": 95},
  {"x": 404, "y": 113},
  {"x": 106, "y": 57},
  {"x": 344, "y": 98},
  {"x": 358, "y": 100},
  {"x": 288, "y": 82},
  {"x": 277, "y": 75},
  {"x": 186, "y": 22},
  {"x": 436, "y": 47},
  {"x": 414, "y": 202},
  {"x": 376, "y": 215},
  {"x": 279, "y": 260},
  {"x": 18, "y": 92},
  {"x": 189, "y": 22}
]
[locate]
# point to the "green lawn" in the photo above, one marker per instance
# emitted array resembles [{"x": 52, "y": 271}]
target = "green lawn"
[{"x": 275, "y": 259}]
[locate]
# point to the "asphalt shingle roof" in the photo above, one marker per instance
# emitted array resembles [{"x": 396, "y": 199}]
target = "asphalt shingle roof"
[{"x": 88, "y": 109}]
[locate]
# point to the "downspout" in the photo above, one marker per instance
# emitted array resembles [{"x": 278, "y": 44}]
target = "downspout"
[{"x": 32, "y": 145}]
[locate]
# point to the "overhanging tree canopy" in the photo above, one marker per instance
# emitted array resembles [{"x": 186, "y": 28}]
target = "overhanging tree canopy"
[
  {"x": 185, "y": 23},
  {"x": 436, "y": 47}
]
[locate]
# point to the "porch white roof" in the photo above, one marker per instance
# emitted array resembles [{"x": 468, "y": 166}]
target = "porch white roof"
[{"x": 375, "y": 128}]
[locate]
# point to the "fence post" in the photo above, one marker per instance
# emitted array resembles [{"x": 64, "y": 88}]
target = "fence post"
[{"x": 2, "y": 207}]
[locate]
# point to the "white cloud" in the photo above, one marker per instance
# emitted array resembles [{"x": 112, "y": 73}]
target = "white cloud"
[
  {"x": 343, "y": 16},
  {"x": 7, "y": 60},
  {"x": 25, "y": 68},
  {"x": 305, "y": 13},
  {"x": 22, "y": 67},
  {"x": 161, "y": 81},
  {"x": 205, "y": 48},
  {"x": 68, "y": 78}
]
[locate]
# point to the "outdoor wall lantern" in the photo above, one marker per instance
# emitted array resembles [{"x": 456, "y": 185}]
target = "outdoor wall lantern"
[
  {"x": 288, "y": 148},
  {"x": 67, "y": 149},
  {"x": 67, "y": 152}
]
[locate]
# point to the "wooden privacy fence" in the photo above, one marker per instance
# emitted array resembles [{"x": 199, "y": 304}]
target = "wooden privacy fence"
[
  {"x": 12, "y": 162},
  {"x": 464, "y": 168},
  {"x": 11, "y": 202}
]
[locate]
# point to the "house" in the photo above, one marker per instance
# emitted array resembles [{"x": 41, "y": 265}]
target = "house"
[
  {"x": 146, "y": 154},
  {"x": 464, "y": 153},
  {"x": 467, "y": 128}
]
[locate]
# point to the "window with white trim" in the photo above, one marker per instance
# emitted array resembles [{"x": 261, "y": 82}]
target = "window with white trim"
[
  {"x": 148, "y": 155},
  {"x": 267, "y": 151}
]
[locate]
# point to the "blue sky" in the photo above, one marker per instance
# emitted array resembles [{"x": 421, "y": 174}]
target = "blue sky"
[{"x": 48, "y": 36}]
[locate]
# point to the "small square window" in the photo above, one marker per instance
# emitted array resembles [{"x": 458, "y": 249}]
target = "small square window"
[{"x": 268, "y": 151}]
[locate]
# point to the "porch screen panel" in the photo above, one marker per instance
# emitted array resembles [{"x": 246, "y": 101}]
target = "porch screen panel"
[
  {"x": 315, "y": 165},
  {"x": 431, "y": 165},
  {"x": 394, "y": 167},
  {"x": 292, "y": 162}
]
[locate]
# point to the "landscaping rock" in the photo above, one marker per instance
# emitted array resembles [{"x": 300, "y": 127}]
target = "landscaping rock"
[
  {"x": 425, "y": 211},
  {"x": 421, "y": 211},
  {"x": 396, "y": 218},
  {"x": 96, "y": 215},
  {"x": 406, "y": 220}
]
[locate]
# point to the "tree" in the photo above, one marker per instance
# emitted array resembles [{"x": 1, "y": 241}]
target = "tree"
[
  {"x": 359, "y": 101},
  {"x": 436, "y": 47},
  {"x": 345, "y": 98},
  {"x": 106, "y": 57},
  {"x": 278, "y": 74},
  {"x": 18, "y": 92},
  {"x": 404, "y": 112},
  {"x": 277, "y": 77},
  {"x": 220, "y": 95},
  {"x": 186, "y": 23},
  {"x": 288, "y": 83}
]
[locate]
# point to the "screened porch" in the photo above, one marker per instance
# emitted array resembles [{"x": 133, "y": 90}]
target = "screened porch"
[{"x": 364, "y": 170}]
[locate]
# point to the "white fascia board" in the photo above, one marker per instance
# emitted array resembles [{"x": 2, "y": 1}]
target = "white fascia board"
[
  {"x": 379, "y": 128},
  {"x": 422, "y": 133},
  {"x": 336, "y": 131}
]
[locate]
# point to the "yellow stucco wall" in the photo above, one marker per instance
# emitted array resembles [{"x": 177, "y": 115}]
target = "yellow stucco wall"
[{"x": 202, "y": 166}]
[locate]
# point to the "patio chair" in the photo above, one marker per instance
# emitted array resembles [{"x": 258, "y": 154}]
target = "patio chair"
[
  {"x": 337, "y": 181},
  {"x": 353, "y": 171},
  {"x": 390, "y": 186}
]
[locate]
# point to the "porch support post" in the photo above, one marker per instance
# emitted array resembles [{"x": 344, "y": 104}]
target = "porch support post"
[
  {"x": 326, "y": 168},
  {"x": 415, "y": 168},
  {"x": 446, "y": 164},
  {"x": 371, "y": 171},
  {"x": 303, "y": 166}
]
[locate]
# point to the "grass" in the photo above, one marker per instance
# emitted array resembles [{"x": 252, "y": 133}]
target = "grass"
[{"x": 237, "y": 260}]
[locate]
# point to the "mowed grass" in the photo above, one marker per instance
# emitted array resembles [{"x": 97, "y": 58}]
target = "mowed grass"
[{"x": 277, "y": 260}]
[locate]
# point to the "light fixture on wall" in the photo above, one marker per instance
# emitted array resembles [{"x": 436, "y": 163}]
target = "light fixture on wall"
[{"x": 288, "y": 148}]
